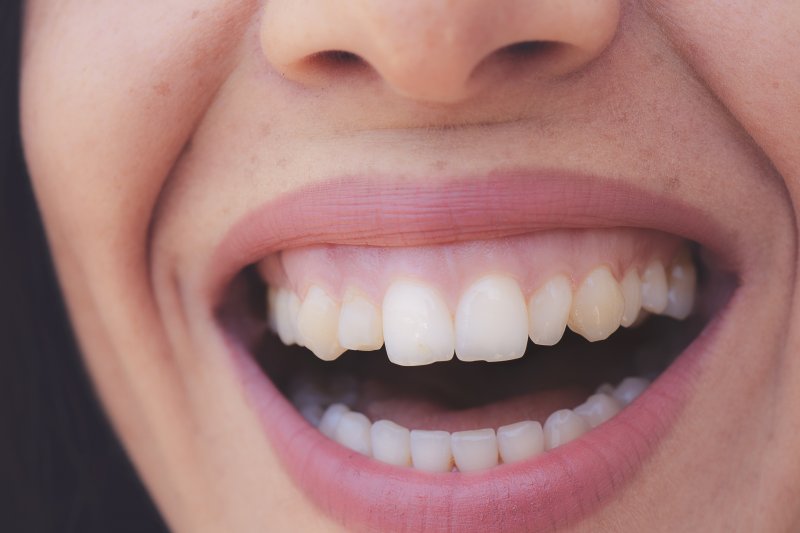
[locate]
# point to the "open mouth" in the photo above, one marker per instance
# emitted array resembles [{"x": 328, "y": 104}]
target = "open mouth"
[{"x": 447, "y": 369}]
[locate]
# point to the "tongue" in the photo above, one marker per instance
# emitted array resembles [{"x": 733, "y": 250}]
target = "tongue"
[{"x": 419, "y": 412}]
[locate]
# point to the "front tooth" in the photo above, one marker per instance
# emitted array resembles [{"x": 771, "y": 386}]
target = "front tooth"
[
  {"x": 491, "y": 321},
  {"x": 317, "y": 324},
  {"x": 632, "y": 293},
  {"x": 391, "y": 443},
  {"x": 475, "y": 449},
  {"x": 682, "y": 287},
  {"x": 359, "y": 323},
  {"x": 598, "y": 305},
  {"x": 548, "y": 311},
  {"x": 283, "y": 308},
  {"x": 417, "y": 326},
  {"x": 563, "y": 426},
  {"x": 520, "y": 441},
  {"x": 430, "y": 450},
  {"x": 353, "y": 431},
  {"x": 331, "y": 418},
  {"x": 654, "y": 288},
  {"x": 630, "y": 389},
  {"x": 598, "y": 408}
]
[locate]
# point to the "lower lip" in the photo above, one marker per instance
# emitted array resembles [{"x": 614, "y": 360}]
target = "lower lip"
[{"x": 555, "y": 489}]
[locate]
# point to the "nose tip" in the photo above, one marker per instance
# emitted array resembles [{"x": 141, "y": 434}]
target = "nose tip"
[{"x": 442, "y": 51}]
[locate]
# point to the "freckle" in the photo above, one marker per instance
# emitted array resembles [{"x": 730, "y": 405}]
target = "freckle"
[
  {"x": 281, "y": 163},
  {"x": 440, "y": 164},
  {"x": 672, "y": 184},
  {"x": 265, "y": 129},
  {"x": 195, "y": 13},
  {"x": 162, "y": 89},
  {"x": 776, "y": 84}
]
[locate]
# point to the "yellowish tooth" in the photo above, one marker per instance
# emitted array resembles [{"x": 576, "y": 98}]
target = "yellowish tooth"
[
  {"x": 632, "y": 292},
  {"x": 597, "y": 306},
  {"x": 598, "y": 408},
  {"x": 548, "y": 311},
  {"x": 562, "y": 427},
  {"x": 474, "y": 449},
  {"x": 317, "y": 324},
  {"x": 430, "y": 450},
  {"x": 283, "y": 309},
  {"x": 682, "y": 287},
  {"x": 520, "y": 441},
  {"x": 360, "y": 324},
  {"x": 654, "y": 288}
]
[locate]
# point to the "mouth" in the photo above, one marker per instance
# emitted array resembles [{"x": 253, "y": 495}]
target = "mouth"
[{"x": 496, "y": 354}]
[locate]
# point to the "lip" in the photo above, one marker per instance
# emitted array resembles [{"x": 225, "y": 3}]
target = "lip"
[{"x": 554, "y": 489}]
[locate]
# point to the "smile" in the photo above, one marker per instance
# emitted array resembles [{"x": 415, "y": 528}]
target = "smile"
[{"x": 512, "y": 358}]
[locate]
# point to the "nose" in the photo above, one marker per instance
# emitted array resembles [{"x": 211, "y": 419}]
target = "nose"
[{"x": 442, "y": 51}]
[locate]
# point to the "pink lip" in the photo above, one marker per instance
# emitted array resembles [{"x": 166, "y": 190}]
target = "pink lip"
[{"x": 557, "y": 488}]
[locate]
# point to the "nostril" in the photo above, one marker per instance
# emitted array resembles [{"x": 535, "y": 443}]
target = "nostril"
[
  {"x": 527, "y": 49},
  {"x": 336, "y": 61}
]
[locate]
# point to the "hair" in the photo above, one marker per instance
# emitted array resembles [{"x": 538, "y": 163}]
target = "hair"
[{"x": 62, "y": 468}]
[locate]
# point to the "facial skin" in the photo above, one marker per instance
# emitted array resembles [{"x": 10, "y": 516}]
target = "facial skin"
[{"x": 150, "y": 129}]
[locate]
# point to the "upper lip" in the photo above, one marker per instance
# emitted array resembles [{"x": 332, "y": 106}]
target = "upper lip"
[{"x": 556, "y": 488}]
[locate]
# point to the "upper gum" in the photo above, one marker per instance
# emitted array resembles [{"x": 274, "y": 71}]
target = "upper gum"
[{"x": 451, "y": 268}]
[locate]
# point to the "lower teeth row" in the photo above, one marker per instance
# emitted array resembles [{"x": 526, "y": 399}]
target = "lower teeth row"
[{"x": 441, "y": 451}]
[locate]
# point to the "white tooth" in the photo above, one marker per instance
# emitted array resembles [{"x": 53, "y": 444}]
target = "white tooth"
[
  {"x": 417, "y": 326},
  {"x": 598, "y": 408},
  {"x": 331, "y": 418},
  {"x": 353, "y": 432},
  {"x": 597, "y": 306},
  {"x": 630, "y": 389},
  {"x": 632, "y": 293},
  {"x": 491, "y": 321},
  {"x": 562, "y": 427},
  {"x": 654, "y": 287},
  {"x": 682, "y": 287},
  {"x": 548, "y": 311},
  {"x": 475, "y": 449},
  {"x": 430, "y": 450},
  {"x": 359, "y": 323},
  {"x": 520, "y": 441},
  {"x": 605, "y": 388},
  {"x": 317, "y": 324},
  {"x": 283, "y": 308},
  {"x": 391, "y": 443}
]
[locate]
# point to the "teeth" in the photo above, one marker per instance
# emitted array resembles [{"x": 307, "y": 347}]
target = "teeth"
[
  {"x": 440, "y": 451},
  {"x": 360, "y": 325},
  {"x": 548, "y": 311},
  {"x": 330, "y": 420},
  {"x": 682, "y": 288},
  {"x": 654, "y": 288},
  {"x": 317, "y": 324},
  {"x": 391, "y": 443},
  {"x": 598, "y": 305},
  {"x": 491, "y": 321},
  {"x": 630, "y": 389},
  {"x": 417, "y": 326},
  {"x": 353, "y": 431},
  {"x": 562, "y": 427},
  {"x": 475, "y": 449},
  {"x": 284, "y": 305},
  {"x": 598, "y": 408},
  {"x": 632, "y": 294},
  {"x": 520, "y": 441},
  {"x": 430, "y": 450}
]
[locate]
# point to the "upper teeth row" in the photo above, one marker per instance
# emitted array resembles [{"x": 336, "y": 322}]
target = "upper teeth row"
[{"x": 492, "y": 321}]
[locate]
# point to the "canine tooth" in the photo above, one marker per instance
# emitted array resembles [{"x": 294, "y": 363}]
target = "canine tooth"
[
  {"x": 391, "y": 443},
  {"x": 491, "y": 321},
  {"x": 563, "y": 426},
  {"x": 359, "y": 323},
  {"x": 353, "y": 431},
  {"x": 475, "y": 449},
  {"x": 331, "y": 418},
  {"x": 654, "y": 287},
  {"x": 630, "y": 389},
  {"x": 597, "y": 306},
  {"x": 317, "y": 324},
  {"x": 682, "y": 287},
  {"x": 430, "y": 450},
  {"x": 520, "y": 441},
  {"x": 548, "y": 311},
  {"x": 598, "y": 408},
  {"x": 632, "y": 294},
  {"x": 417, "y": 326}
]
